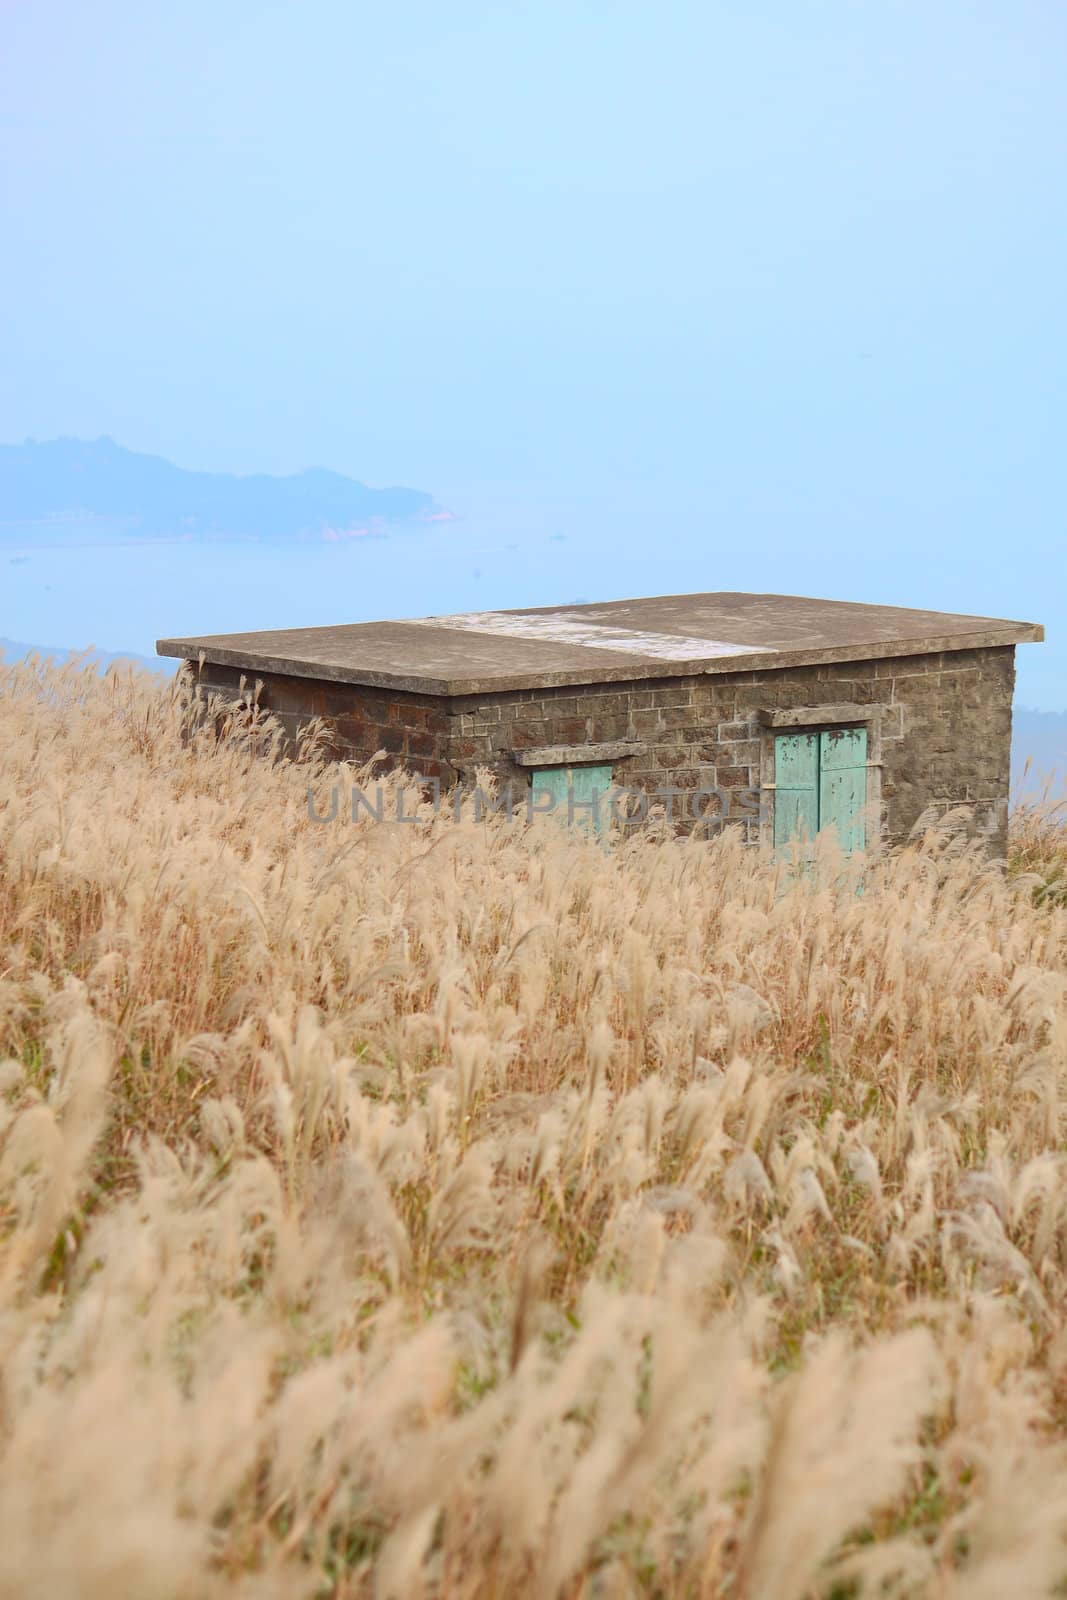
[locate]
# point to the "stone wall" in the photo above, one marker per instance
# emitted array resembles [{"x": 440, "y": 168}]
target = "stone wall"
[
  {"x": 940, "y": 729},
  {"x": 413, "y": 729},
  {"x": 943, "y": 738}
]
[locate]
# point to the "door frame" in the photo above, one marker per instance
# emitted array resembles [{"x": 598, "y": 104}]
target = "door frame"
[{"x": 817, "y": 719}]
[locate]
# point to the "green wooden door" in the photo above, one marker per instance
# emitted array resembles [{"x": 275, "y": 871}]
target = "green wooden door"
[
  {"x": 796, "y": 787},
  {"x": 820, "y": 781},
  {"x": 843, "y": 785},
  {"x": 574, "y": 790}
]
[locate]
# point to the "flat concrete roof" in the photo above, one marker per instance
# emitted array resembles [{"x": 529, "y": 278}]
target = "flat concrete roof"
[{"x": 479, "y": 652}]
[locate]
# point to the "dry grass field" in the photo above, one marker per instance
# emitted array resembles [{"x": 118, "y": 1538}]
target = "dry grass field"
[{"x": 470, "y": 1210}]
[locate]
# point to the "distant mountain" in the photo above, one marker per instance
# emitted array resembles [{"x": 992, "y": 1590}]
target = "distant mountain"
[
  {"x": 17, "y": 649},
  {"x": 1040, "y": 736},
  {"x": 76, "y": 478}
]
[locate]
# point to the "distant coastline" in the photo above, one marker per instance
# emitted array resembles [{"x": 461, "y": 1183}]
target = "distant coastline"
[{"x": 98, "y": 487}]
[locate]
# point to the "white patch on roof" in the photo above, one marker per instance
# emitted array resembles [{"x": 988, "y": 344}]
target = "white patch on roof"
[{"x": 567, "y": 627}]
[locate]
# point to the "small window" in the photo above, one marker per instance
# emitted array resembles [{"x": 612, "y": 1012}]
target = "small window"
[
  {"x": 579, "y": 793},
  {"x": 820, "y": 781}
]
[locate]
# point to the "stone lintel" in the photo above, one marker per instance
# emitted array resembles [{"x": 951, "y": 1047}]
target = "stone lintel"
[
  {"x": 576, "y": 755},
  {"x": 819, "y": 716}
]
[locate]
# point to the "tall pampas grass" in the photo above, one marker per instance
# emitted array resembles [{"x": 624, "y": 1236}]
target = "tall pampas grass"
[{"x": 467, "y": 1209}]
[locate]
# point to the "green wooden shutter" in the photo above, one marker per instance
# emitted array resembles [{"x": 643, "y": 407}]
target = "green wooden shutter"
[
  {"x": 585, "y": 783},
  {"x": 820, "y": 781},
  {"x": 843, "y": 785},
  {"x": 796, "y": 787}
]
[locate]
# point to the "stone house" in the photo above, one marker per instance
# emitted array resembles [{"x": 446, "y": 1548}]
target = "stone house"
[{"x": 775, "y": 712}]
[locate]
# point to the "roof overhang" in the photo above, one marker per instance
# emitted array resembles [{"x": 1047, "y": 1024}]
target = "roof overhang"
[{"x": 478, "y": 653}]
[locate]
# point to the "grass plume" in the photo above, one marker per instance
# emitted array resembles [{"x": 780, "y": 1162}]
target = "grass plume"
[{"x": 464, "y": 1209}]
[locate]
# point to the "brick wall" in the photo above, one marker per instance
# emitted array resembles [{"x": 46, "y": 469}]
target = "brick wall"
[
  {"x": 943, "y": 738},
  {"x": 412, "y": 729}
]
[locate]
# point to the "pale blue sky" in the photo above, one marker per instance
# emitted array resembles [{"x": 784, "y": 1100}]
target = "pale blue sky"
[{"x": 761, "y": 296}]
